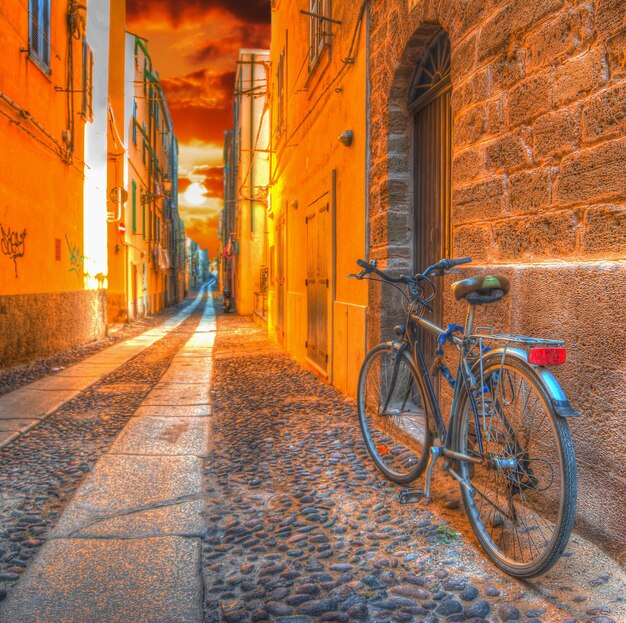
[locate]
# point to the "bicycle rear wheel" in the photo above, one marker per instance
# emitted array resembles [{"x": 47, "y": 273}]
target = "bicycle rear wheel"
[
  {"x": 392, "y": 414},
  {"x": 524, "y": 493}
]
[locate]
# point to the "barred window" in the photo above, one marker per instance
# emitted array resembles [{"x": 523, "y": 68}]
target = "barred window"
[
  {"x": 39, "y": 32},
  {"x": 318, "y": 30}
]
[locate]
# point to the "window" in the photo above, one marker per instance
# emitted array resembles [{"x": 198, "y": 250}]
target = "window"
[
  {"x": 39, "y": 32},
  {"x": 280, "y": 93},
  {"x": 318, "y": 30},
  {"x": 134, "y": 187},
  {"x": 134, "y": 122},
  {"x": 87, "y": 109}
]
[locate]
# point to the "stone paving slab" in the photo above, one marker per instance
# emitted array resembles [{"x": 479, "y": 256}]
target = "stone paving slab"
[
  {"x": 75, "y": 383},
  {"x": 174, "y": 411},
  {"x": 13, "y": 424},
  {"x": 32, "y": 403},
  {"x": 124, "y": 485},
  {"x": 110, "y": 581},
  {"x": 178, "y": 394},
  {"x": 164, "y": 436}
]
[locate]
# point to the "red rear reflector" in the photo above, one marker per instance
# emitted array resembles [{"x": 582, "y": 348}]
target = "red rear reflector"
[
  {"x": 382, "y": 450},
  {"x": 546, "y": 356}
]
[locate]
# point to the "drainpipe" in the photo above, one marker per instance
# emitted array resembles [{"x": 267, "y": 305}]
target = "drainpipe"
[
  {"x": 368, "y": 112},
  {"x": 333, "y": 294},
  {"x": 251, "y": 156}
]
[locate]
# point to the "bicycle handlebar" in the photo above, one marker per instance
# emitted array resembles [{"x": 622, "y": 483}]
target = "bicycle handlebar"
[{"x": 443, "y": 265}]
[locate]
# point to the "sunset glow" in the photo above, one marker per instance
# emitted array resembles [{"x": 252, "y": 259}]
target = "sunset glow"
[{"x": 194, "y": 44}]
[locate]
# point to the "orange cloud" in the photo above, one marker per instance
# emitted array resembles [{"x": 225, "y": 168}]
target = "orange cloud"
[
  {"x": 194, "y": 45},
  {"x": 178, "y": 11}
]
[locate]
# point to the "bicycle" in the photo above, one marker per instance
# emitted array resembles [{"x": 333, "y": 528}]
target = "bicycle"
[{"x": 507, "y": 442}]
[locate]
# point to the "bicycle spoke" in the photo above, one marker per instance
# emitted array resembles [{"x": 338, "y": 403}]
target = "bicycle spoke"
[{"x": 520, "y": 491}]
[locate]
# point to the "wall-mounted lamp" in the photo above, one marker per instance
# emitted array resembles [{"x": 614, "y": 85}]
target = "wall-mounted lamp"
[{"x": 346, "y": 138}]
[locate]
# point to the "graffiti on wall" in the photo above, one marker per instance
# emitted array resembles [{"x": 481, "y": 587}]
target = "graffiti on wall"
[
  {"x": 12, "y": 244},
  {"x": 76, "y": 257}
]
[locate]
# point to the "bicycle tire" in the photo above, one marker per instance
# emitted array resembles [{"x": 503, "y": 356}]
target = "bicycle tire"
[
  {"x": 399, "y": 441},
  {"x": 524, "y": 494}
]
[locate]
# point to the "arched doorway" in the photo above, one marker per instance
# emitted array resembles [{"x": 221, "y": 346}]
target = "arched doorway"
[{"x": 429, "y": 103}]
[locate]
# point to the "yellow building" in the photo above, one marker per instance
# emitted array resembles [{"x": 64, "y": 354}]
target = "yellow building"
[
  {"x": 318, "y": 199},
  {"x": 52, "y": 189},
  {"x": 244, "y": 229},
  {"x": 145, "y": 272}
]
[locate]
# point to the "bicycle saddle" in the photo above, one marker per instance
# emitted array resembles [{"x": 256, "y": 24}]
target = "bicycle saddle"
[{"x": 481, "y": 290}]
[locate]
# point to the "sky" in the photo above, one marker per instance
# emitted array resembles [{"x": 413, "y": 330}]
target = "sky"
[{"x": 194, "y": 46}]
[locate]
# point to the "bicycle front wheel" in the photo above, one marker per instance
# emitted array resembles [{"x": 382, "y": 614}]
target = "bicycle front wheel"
[
  {"x": 522, "y": 500},
  {"x": 392, "y": 414}
]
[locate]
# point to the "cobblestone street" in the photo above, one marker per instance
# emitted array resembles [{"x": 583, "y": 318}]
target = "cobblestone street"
[{"x": 145, "y": 499}]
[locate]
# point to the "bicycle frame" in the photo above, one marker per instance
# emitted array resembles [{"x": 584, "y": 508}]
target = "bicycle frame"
[{"x": 424, "y": 375}]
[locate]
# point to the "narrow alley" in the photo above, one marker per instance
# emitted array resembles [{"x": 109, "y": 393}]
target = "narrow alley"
[{"x": 196, "y": 473}]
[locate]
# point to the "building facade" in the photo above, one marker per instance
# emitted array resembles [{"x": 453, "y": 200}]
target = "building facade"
[
  {"x": 244, "y": 227},
  {"x": 318, "y": 209},
  {"x": 53, "y": 124},
  {"x": 491, "y": 129},
  {"x": 145, "y": 267}
]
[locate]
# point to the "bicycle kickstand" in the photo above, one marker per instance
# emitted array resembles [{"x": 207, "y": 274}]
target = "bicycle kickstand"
[{"x": 417, "y": 494}]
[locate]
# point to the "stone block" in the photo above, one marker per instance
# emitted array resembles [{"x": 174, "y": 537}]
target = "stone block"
[
  {"x": 470, "y": 92},
  {"x": 592, "y": 174},
  {"x": 467, "y": 166},
  {"x": 389, "y": 228},
  {"x": 541, "y": 237},
  {"x": 530, "y": 190},
  {"x": 505, "y": 71},
  {"x": 556, "y": 133},
  {"x": 482, "y": 201},
  {"x": 579, "y": 76},
  {"x": 515, "y": 17},
  {"x": 473, "y": 240},
  {"x": 463, "y": 59},
  {"x": 495, "y": 109},
  {"x": 605, "y": 231},
  {"x": 604, "y": 115},
  {"x": 570, "y": 32},
  {"x": 530, "y": 99},
  {"x": 398, "y": 121},
  {"x": 394, "y": 193},
  {"x": 610, "y": 17},
  {"x": 509, "y": 152},
  {"x": 616, "y": 56},
  {"x": 469, "y": 126}
]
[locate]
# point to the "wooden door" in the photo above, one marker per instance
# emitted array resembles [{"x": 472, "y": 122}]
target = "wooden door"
[
  {"x": 317, "y": 283},
  {"x": 430, "y": 103}
]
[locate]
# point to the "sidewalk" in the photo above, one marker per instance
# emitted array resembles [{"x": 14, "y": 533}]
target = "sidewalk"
[
  {"x": 22, "y": 409},
  {"x": 127, "y": 547}
]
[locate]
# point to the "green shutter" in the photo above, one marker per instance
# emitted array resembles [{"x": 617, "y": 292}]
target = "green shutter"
[{"x": 134, "y": 207}]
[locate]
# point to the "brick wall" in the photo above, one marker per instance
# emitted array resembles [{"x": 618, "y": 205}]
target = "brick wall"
[{"x": 538, "y": 188}]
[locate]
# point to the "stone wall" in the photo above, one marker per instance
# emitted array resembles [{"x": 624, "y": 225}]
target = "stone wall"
[
  {"x": 36, "y": 325},
  {"x": 538, "y": 192}
]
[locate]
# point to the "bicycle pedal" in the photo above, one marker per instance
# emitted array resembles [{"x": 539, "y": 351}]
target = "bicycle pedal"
[{"x": 408, "y": 496}]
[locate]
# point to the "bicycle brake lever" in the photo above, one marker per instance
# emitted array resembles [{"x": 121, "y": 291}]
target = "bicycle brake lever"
[{"x": 359, "y": 276}]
